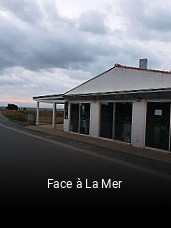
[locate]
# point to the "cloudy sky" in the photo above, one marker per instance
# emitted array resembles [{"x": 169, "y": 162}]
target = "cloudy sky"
[{"x": 50, "y": 46}]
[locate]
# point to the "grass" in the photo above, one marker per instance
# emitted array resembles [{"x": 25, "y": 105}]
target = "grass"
[{"x": 44, "y": 116}]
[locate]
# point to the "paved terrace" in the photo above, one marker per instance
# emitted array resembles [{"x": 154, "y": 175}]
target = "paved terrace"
[{"x": 162, "y": 156}]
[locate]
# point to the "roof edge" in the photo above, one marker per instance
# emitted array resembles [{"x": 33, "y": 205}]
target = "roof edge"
[
  {"x": 121, "y": 92},
  {"x": 137, "y": 68},
  {"x": 90, "y": 79},
  {"x": 119, "y": 66},
  {"x": 49, "y": 96}
]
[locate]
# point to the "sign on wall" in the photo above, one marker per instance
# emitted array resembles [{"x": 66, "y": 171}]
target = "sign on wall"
[{"x": 158, "y": 112}]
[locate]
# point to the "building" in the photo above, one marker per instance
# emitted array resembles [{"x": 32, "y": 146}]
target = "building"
[{"x": 127, "y": 104}]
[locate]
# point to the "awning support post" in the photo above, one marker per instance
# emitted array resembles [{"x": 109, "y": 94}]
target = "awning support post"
[
  {"x": 37, "y": 114},
  {"x": 54, "y": 116}
]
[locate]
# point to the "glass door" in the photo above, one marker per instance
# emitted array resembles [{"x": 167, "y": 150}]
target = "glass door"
[
  {"x": 106, "y": 120},
  {"x": 123, "y": 122},
  {"x": 158, "y": 125},
  {"x": 84, "y": 118},
  {"x": 74, "y": 120}
]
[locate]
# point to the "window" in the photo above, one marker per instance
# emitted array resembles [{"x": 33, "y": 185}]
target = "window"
[
  {"x": 80, "y": 118},
  {"x": 84, "y": 118},
  {"x": 123, "y": 122},
  {"x": 158, "y": 125},
  {"x": 106, "y": 120},
  {"x": 74, "y": 120}
]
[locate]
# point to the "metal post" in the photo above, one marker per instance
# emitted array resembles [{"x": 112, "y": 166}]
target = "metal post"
[
  {"x": 54, "y": 116},
  {"x": 37, "y": 116}
]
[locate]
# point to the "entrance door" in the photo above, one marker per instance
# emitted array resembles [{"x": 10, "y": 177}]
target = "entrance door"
[
  {"x": 106, "y": 120},
  {"x": 123, "y": 122},
  {"x": 157, "y": 125},
  {"x": 74, "y": 117},
  {"x": 84, "y": 118}
]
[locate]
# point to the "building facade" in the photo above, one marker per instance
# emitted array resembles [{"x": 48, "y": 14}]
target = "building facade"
[{"x": 124, "y": 104}]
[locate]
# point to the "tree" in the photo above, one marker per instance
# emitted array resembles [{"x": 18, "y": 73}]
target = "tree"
[{"x": 12, "y": 107}]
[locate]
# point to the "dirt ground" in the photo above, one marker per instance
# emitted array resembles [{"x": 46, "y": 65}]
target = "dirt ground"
[{"x": 45, "y": 116}]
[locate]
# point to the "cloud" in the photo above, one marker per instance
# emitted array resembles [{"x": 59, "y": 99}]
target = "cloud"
[
  {"x": 17, "y": 82},
  {"x": 26, "y": 11},
  {"x": 52, "y": 41},
  {"x": 93, "y": 21},
  {"x": 147, "y": 20},
  {"x": 42, "y": 51},
  {"x": 35, "y": 36}
]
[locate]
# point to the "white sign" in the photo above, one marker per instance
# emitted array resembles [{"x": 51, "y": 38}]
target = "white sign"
[{"x": 158, "y": 112}]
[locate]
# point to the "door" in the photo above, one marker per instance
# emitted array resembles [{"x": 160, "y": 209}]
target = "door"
[
  {"x": 84, "y": 118},
  {"x": 106, "y": 120},
  {"x": 158, "y": 125},
  {"x": 123, "y": 122},
  {"x": 74, "y": 117}
]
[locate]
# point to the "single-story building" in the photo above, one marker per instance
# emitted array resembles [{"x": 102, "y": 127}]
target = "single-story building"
[{"x": 127, "y": 104}]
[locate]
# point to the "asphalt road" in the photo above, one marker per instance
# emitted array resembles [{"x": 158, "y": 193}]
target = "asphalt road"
[{"x": 26, "y": 164}]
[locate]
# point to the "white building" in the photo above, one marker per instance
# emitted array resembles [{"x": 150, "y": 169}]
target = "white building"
[{"x": 127, "y": 104}]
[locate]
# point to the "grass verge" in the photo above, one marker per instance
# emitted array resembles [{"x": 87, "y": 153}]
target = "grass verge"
[{"x": 22, "y": 115}]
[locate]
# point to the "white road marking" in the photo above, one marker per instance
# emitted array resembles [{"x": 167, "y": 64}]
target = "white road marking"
[{"x": 120, "y": 162}]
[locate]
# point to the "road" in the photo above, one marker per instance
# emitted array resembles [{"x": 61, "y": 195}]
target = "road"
[{"x": 27, "y": 162}]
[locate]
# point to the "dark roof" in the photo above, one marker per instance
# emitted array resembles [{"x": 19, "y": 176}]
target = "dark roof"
[{"x": 162, "y": 93}]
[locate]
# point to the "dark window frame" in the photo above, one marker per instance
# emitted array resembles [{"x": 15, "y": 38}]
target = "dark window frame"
[
  {"x": 114, "y": 120},
  {"x": 148, "y": 141},
  {"x": 79, "y": 117}
]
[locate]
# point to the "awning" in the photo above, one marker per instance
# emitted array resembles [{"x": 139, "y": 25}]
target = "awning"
[
  {"x": 57, "y": 98},
  {"x": 123, "y": 95}
]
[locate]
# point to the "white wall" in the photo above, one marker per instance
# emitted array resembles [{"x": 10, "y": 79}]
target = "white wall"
[
  {"x": 138, "y": 123},
  {"x": 122, "y": 79},
  {"x": 66, "y": 125},
  {"x": 94, "y": 119}
]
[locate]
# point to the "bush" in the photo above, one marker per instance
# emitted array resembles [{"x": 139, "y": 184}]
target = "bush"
[{"x": 12, "y": 107}]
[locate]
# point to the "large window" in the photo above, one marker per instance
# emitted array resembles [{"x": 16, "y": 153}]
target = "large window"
[
  {"x": 80, "y": 118},
  {"x": 123, "y": 122},
  {"x": 106, "y": 121},
  {"x": 74, "y": 120},
  {"x": 158, "y": 125},
  {"x": 84, "y": 118},
  {"x": 116, "y": 126}
]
